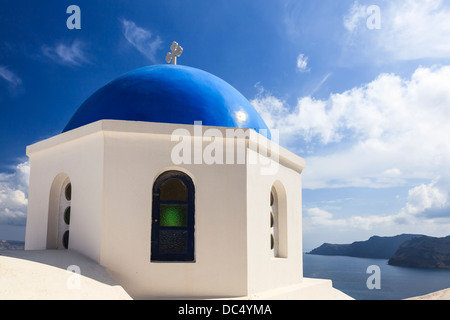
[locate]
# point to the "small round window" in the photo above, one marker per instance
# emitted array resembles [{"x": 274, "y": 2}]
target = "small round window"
[
  {"x": 272, "y": 242},
  {"x": 68, "y": 192},
  {"x": 65, "y": 240},
  {"x": 67, "y": 215}
]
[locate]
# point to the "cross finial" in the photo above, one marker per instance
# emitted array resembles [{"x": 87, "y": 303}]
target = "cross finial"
[{"x": 176, "y": 52}]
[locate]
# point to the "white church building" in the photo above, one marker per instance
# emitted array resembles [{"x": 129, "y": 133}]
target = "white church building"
[{"x": 170, "y": 179}]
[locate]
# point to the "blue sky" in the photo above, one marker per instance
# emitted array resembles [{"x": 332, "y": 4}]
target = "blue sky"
[{"x": 362, "y": 94}]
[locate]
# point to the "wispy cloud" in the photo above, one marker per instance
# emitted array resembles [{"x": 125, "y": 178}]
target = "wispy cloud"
[
  {"x": 10, "y": 77},
  {"x": 410, "y": 30},
  {"x": 320, "y": 84},
  {"x": 13, "y": 195},
  {"x": 143, "y": 40},
  {"x": 353, "y": 19},
  {"x": 69, "y": 55},
  {"x": 317, "y": 217},
  {"x": 302, "y": 63}
]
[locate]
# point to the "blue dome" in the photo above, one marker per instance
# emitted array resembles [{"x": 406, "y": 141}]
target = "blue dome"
[{"x": 169, "y": 94}]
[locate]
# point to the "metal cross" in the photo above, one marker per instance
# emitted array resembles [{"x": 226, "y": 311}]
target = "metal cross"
[{"x": 176, "y": 52}]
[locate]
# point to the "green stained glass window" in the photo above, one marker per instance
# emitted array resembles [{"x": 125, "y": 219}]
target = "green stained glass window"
[
  {"x": 172, "y": 237},
  {"x": 173, "y": 215}
]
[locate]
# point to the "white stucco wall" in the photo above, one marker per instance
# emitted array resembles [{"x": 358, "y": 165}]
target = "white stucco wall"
[
  {"x": 265, "y": 271},
  {"x": 112, "y": 166},
  {"x": 79, "y": 156},
  {"x": 132, "y": 162}
]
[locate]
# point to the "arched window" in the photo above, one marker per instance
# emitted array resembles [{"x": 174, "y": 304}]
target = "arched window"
[
  {"x": 278, "y": 221},
  {"x": 172, "y": 237},
  {"x": 58, "y": 222}
]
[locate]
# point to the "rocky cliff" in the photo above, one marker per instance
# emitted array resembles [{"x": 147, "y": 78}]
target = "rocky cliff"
[{"x": 423, "y": 252}]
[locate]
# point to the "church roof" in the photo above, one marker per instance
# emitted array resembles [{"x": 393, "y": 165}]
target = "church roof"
[{"x": 169, "y": 94}]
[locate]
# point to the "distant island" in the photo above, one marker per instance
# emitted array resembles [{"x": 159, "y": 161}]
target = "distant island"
[
  {"x": 423, "y": 252},
  {"x": 11, "y": 245},
  {"x": 376, "y": 247},
  {"x": 405, "y": 250}
]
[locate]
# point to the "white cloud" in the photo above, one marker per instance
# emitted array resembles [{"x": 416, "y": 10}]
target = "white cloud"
[
  {"x": 302, "y": 63},
  {"x": 426, "y": 211},
  {"x": 356, "y": 14},
  {"x": 69, "y": 55},
  {"x": 13, "y": 195},
  {"x": 270, "y": 108},
  {"x": 419, "y": 29},
  {"x": 381, "y": 134},
  {"x": 10, "y": 77},
  {"x": 142, "y": 39},
  {"x": 428, "y": 197},
  {"x": 317, "y": 217},
  {"x": 411, "y": 29}
]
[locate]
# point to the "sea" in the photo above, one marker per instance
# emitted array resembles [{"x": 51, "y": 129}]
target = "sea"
[{"x": 358, "y": 278}]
